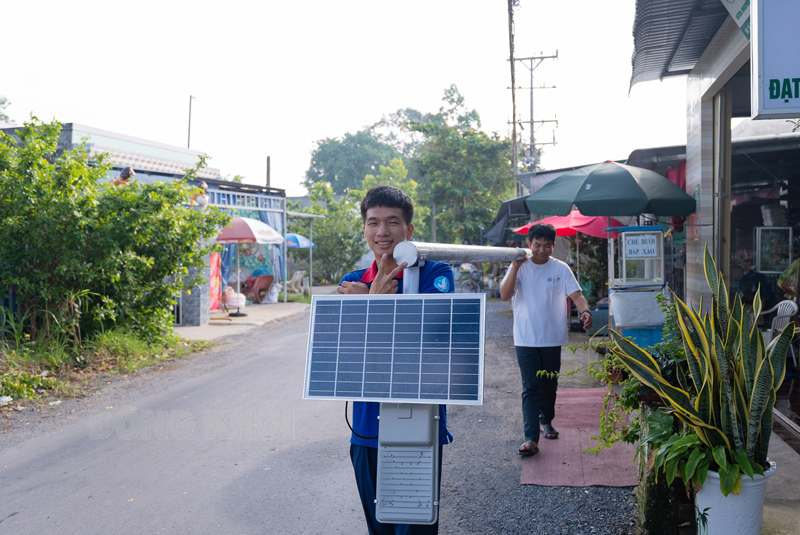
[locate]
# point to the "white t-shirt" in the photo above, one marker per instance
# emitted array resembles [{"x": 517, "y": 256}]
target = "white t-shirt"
[{"x": 540, "y": 303}]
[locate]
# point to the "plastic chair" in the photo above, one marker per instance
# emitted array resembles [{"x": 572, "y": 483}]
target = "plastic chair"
[
  {"x": 260, "y": 287},
  {"x": 785, "y": 310},
  {"x": 294, "y": 285}
]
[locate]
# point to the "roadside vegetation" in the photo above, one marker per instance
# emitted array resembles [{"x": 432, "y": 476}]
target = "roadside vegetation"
[
  {"x": 89, "y": 272},
  {"x": 456, "y": 174}
]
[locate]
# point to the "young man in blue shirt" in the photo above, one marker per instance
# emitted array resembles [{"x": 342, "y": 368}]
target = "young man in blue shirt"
[{"x": 387, "y": 213}]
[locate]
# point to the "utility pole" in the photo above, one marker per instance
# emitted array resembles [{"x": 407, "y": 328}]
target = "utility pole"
[
  {"x": 189, "y": 137},
  {"x": 268, "y": 181},
  {"x": 511, "y": 5},
  {"x": 531, "y": 63}
]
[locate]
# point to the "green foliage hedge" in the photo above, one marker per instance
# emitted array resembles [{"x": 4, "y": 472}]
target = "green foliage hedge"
[{"x": 83, "y": 255}]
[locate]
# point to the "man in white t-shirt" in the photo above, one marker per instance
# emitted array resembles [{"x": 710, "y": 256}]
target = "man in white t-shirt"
[{"x": 540, "y": 286}]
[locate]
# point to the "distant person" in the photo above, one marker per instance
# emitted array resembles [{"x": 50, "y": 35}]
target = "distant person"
[
  {"x": 200, "y": 198},
  {"x": 387, "y": 213},
  {"x": 124, "y": 177},
  {"x": 754, "y": 281},
  {"x": 540, "y": 286}
]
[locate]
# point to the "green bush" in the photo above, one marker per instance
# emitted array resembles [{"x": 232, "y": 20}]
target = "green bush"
[
  {"x": 83, "y": 255},
  {"x": 21, "y": 385}
]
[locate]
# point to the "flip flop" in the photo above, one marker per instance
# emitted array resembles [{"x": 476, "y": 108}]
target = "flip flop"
[
  {"x": 532, "y": 450},
  {"x": 548, "y": 430}
]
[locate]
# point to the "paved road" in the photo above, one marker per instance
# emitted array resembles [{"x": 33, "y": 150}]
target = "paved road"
[{"x": 220, "y": 444}]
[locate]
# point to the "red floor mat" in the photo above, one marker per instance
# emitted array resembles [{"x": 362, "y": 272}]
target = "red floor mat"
[{"x": 564, "y": 462}]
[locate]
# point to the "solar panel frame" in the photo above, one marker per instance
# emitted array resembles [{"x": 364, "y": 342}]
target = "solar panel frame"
[{"x": 436, "y": 363}]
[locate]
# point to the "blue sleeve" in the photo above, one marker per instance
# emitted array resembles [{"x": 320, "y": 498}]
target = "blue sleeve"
[
  {"x": 438, "y": 278},
  {"x": 353, "y": 276}
]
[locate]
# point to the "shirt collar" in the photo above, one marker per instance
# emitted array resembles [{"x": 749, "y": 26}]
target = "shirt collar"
[{"x": 372, "y": 271}]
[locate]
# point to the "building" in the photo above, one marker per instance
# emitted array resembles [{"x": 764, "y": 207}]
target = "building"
[{"x": 745, "y": 185}]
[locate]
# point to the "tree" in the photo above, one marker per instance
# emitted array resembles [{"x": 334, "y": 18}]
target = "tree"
[
  {"x": 395, "y": 130},
  {"x": 463, "y": 173},
  {"x": 4, "y": 103},
  {"x": 339, "y": 237},
  {"x": 396, "y": 175},
  {"x": 343, "y": 163},
  {"x": 81, "y": 254}
]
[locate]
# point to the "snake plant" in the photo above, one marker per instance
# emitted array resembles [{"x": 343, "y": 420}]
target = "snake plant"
[{"x": 735, "y": 376}]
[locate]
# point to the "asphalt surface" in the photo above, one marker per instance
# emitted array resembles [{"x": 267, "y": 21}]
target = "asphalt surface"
[{"x": 221, "y": 442}]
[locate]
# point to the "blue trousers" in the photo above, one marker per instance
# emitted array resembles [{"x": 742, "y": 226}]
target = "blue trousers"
[
  {"x": 365, "y": 466},
  {"x": 538, "y": 393}
]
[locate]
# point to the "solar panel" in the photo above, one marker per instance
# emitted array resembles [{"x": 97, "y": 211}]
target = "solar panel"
[{"x": 416, "y": 348}]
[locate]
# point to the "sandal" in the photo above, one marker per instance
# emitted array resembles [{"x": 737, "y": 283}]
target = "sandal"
[
  {"x": 529, "y": 448},
  {"x": 549, "y": 432}
]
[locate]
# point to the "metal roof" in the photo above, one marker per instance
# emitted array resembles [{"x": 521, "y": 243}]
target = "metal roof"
[{"x": 669, "y": 36}]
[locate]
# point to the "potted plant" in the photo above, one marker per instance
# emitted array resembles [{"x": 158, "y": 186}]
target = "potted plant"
[{"x": 728, "y": 422}]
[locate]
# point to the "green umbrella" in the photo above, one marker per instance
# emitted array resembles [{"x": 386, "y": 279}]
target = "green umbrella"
[{"x": 611, "y": 189}]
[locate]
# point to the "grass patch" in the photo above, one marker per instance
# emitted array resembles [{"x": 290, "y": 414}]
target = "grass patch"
[
  {"x": 509, "y": 313},
  {"x": 34, "y": 369},
  {"x": 120, "y": 351},
  {"x": 296, "y": 298}
]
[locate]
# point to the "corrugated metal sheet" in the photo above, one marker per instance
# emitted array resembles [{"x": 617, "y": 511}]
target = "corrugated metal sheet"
[{"x": 669, "y": 36}]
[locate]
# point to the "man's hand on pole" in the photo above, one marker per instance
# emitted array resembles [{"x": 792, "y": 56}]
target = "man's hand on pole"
[{"x": 510, "y": 282}]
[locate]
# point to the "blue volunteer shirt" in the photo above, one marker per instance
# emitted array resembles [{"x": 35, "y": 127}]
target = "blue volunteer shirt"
[{"x": 434, "y": 277}]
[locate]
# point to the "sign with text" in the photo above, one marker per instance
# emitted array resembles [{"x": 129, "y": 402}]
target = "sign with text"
[
  {"x": 774, "y": 62},
  {"x": 641, "y": 246},
  {"x": 740, "y": 11}
]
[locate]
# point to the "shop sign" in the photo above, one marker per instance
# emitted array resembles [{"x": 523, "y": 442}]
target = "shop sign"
[
  {"x": 740, "y": 11},
  {"x": 641, "y": 246},
  {"x": 775, "y": 65}
]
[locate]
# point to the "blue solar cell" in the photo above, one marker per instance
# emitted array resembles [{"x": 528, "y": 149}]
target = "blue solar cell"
[
  {"x": 427, "y": 349},
  {"x": 433, "y": 388}
]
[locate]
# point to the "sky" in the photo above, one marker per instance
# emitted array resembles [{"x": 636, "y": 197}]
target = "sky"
[{"x": 272, "y": 78}]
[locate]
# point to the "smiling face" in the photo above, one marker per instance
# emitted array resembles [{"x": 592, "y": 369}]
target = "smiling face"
[
  {"x": 384, "y": 228},
  {"x": 541, "y": 249}
]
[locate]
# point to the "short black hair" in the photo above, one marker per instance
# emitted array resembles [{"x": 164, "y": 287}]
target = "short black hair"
[
  {"x": 542, "y": 231},
  {"x": 388, "y": 197}
]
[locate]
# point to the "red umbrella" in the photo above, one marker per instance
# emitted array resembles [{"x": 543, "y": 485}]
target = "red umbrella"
[{"x": 569, "y": 225}]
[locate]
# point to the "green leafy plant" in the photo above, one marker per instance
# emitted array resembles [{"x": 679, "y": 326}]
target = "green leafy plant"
[
  {"x": 22, "y": 385},
  {"x": 338, "y": 237},
  {"x": 735, "y": 377},
  {"x": 82, "y": 255}
]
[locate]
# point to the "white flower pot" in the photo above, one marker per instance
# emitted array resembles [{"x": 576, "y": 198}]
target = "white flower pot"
[{"x": 736, "y": 514}]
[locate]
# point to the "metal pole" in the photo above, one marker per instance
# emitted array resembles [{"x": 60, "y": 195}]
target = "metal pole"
[
  {"x": 283, "y": 248},
  {"x": 310, "y": 257},
  {"x": 514, "y": 156},
  {"x": 413, "y": 253},
  {"x": 189, "y": 137},
  {"x": 533, "y": 137}
]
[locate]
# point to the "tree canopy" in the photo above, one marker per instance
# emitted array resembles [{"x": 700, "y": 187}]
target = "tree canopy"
[
  {"x": 339, "y": 237},
  {"x": 465, "y": 174},
  {"x": 4, "y": 103},
  {"x": 344, "y": 162},
  {"x": 442, "y": 160}
]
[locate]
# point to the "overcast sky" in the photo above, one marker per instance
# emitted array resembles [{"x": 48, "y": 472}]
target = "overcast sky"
[{"x": 273, "y": 77}]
